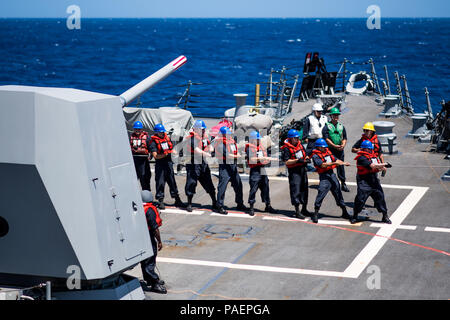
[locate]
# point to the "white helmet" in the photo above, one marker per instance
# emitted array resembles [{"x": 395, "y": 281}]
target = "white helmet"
[{"x": 317, "y": 107}]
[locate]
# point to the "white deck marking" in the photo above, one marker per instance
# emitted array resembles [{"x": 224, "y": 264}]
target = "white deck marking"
[
  {"x": 435, "y": 229},
  {"x": 194, "y": 212},
  {"x": 232, "y": 215},
  {"x": 284, "y": 219},
  {"x": 362, "y": 260},
  {"x": 321, "y": 221},
  {"x": 250, "y": 267},
  {"x": 404, "y": 227},
  {"x": 366, "y": 255}
]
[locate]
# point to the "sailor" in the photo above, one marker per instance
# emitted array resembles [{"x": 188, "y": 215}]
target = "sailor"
[
  {"x": 161, "y": 148},
  {"x": 295, "y": 159},
  {"x": 227, "y": 154},
  {"x": 197, "y": 170},
  {"x": 139, "y": 141},
  {"x": 335, "y": 135},
  {"x": 256, "y": 159},
  {"x": 368, "y": 184},
  {"x": 312, "y": 130},
  {"x": 325, "y": 162},
  {"x": 369, "y": 134},
  {"x": 151, "y": 281}
]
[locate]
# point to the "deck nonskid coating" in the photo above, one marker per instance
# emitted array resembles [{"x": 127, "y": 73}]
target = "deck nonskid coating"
[{"x": 417, "y": 197}]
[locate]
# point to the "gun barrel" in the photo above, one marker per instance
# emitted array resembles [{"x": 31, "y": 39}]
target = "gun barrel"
[{"x": 128, "y": 96}]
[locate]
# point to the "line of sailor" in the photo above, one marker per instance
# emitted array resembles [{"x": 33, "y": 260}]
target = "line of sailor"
[{"x": 325, "y": 142}]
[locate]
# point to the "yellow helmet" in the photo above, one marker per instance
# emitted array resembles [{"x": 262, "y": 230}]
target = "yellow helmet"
[{"x": 369, "y": 126}]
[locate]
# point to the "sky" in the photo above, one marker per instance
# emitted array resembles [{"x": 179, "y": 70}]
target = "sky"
[{"x": 223, "y": 8}]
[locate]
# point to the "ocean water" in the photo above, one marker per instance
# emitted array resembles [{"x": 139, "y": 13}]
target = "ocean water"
[{"x": 226, "y": 55}]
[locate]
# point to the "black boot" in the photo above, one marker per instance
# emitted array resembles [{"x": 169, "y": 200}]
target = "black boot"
[
  {"x": 345, "y": 214},
  {"x": 298, "y": 214},
  {"x": 158, "y": 288},
  {"x": 215, "y": 207},
  {"x": 189, "y": 205},
  {"x": 305, "y": 211},
  {"x": 251, "y": 211},
  {"x": 221, "y": 210},
  {"x": 269, "y": 209},
  {"x": 344, "y": 187},
  {"x": 161, "y": 205},
  {"x": 241, "y": 207},
  {"x": 386, "y": 218},
  {"x": 315, "y": 215},
  {"x": 179, "y": 203},
  {"x": 354, "y": 218}
]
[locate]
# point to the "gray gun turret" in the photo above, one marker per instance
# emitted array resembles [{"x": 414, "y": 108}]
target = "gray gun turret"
[{"x": 68, "y": 186}]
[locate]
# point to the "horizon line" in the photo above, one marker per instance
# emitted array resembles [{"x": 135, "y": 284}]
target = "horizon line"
[{"x": 364, "y": 17}]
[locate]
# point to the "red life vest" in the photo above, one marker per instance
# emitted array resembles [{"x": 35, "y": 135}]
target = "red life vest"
[
  {"x": 294, "y": 151},
  {"x": 372, "y": 157},
  {"x": 255, "y": 151},
  {"x": 322, "y": 156},
  {"x": 375, "y": 142},
  {"x": 138, "y": 142},
  {"x": 203, "y": 142},
  {"x": 150, "y": 205},
  {"x": 230, "y": 145},
  {"x": 164, "y": 145}
]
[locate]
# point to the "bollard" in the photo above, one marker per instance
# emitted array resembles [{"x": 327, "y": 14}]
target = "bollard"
[
  {"x": 419, "y": 125},
  {"x": 391, "y": 106},
  {"x": 385, "y": 136}
]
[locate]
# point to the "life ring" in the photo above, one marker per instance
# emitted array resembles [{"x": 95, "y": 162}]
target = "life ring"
[{"x": 356, "y": 77}]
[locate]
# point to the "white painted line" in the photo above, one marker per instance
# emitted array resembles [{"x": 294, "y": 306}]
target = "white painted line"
[
  {"x": 339, "y": 222},
  {"x": 284, "y": 219},
  {"x": 321, "y": 221},
  {"x": 194, "y": 212},
  {"x": 404, "y": 227},
  {"x": 232, "y": 215},
  {"x": 435, "y": 229},
  {"x": 363, "y": 259},
  {"x": 250, "y": 267}
]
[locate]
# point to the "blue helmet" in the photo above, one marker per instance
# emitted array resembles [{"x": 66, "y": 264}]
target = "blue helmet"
[
  {"x": 254, "y": 135},
  {"x": 199, "y": 124},
  {"x": 138, "y": 125},
  {"x": 366, "y": 144},
  {"x": 159, "y": 128},
  {"x": 225, "y": 130},
  {"x": 321, "y": 143},
  {"x": 293, "y": 134}
]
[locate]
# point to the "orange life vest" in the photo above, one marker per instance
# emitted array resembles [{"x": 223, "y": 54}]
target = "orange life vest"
[
  {"x": 139, "y": 142},
  {"x": 297, "y": 152},
  {"x": 375, "y": 142},
  {"x": 203, "y": 142},
  {"x": 372, "y": 157},
  {"x": 150, "y": 205},
  {"x": 322, "y": 156},
  {"x": 164, "y": 145},
  {"x": 230, "y": 145},
  {"x": 255, "y": 151}
]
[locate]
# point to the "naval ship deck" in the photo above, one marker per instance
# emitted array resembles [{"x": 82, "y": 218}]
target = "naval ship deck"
[{"x": 275, "y": 256}]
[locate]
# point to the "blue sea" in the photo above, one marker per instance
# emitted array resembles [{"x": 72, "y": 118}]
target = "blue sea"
[{"x": 226, "y": 55}]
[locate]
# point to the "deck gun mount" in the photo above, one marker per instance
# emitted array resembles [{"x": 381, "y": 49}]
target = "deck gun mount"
[{"x": 69, "y": 197}]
